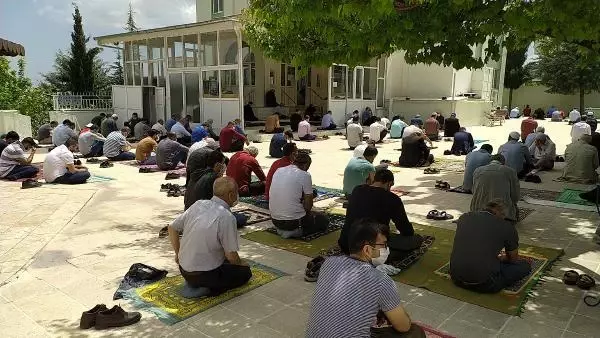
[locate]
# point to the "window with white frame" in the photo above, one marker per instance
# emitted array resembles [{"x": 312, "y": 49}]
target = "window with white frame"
[
  {"x": 143, "y": 62},
  {"x": 217, "y": 6}
]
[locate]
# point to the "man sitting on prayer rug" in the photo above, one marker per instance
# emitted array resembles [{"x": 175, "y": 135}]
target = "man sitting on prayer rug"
[
  {"x": 60, "y": 167},
  {"x": 289, "y": 154},
  {"x": 359, "y": 170},
  {"x": 201, "y": 179},
  {"x": 230, "y": 140},
  {"x": 378, "y": 203},
  {"x": 198, "y": 155},
  {"x": 272, "y": 124},
  {"x": 496, "y": 181},
  {"x": 44, "y": 134},
  {"x": 397, "y": 127},
  {"x": 415, "y": 152},
  {"x": 7, "y": 139},
  {"x": 169, "y": 153},
  {"x": 477, "y": 261},
  {"x": 207, "y": 253},
  {"x": 182, "y": 135},
  {"x": 63, "y": 132},
  {"x": 377, "y": 131},
  {"x": 304, "y": 130},
  {"x": 354, "y": 133},
  {"x": 474, "y": 160},
  {"x": 91, "y": 142},
  {"x": 15, "y": 164},
  {"x": 463, "y": 142},
  {"x": 144, "y": 149},
  {"x": 543, "y": 151},
  {"x": 580, "y": 128},
  {"x": 241, "y": 166},
  {"x": 327, "y": 122},
  {"x": 278, "y": 141},
  {"x": 516, "y": 155},
  {"x": 581, "y": 162},
  {"x": 451, "y": 126},
  {"x": 291, "y": 200},
  {"x": 116, "y": 147},
  {"x": 353, "y": 298},
  {"x": 531, "y": 137},
  {"x": 432, "y": 127}
]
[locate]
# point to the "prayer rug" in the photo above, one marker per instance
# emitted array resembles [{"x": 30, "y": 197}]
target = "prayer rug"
[
  {"x": 153, "y": 167},
  {"x": 588, "y": 208},
  {"x": 163, "y": 298},
  {"x": 523, "y": 213},
  {"x": 433, "y": 333},
  {"x": 459, "y": 190},
  {"x": 323, "y": 193},
  {"x": 571, "y": 196},
  {"x": 336, "y": 222},
  {"x": 257, "y": 201},
  {"x": 422, "y": 273},
  {"x": 479, "y": 141},
  {"x": 537, "y": 264},
  {"x": 442, "y": 163},
  {"x": 545, "y": 195},
  {"x": 99, "y": 179},
  {"x": 254, "y": 216}
]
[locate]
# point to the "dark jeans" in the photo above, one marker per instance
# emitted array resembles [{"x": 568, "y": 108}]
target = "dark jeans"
[
  {"x": 253, "y": 189},
  {"x": 240, "y": 219},
  {"x": 308, "y": 137},
  {"x": 275, "y": 131},
  {"x": 186, "y": 140},
  {"x": 509, "y": 274},
  {"x": 22, "y": 171},
  {"x": 79, "y": 177},
  {"x": 331, "y": 127},
  {"x": 95, "y": 150},
  {"x": 311, "y": 223},
  {"x": 123, "y": 156},
  {"x": 237, "y": 145},
  {"x": 526, "y": 169},
  {"x": 219, "y": 280},
  {"x": 382, "y": 135},
  {"x": 180, "y": 157},
  {"x": 433, "y": 137},
  {"x": 415, "y": 331}
]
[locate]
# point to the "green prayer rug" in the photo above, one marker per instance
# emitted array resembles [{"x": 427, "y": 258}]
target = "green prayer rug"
[{"x": 571, "y": 196}]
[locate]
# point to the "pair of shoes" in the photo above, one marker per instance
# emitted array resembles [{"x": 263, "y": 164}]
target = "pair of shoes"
[
  {"x": 442, "y": 185},
  {"x": 30, "y": 184},
  {"x": 325, "y": 137},
  {"x": 559, "y": 159},
  {"x": 92, "y": 160},
  {"x": 102, "y": 317},
  {"x": 439, "y": 215},
  {"x": 145, "y": 170},
  {"x": 172, "y": 176},
  {"x": 176, "y": 191},
  {"x": 431, "y": 171},
  {"x": 533, "y": 178},
  {"x": 167, "y": 186},
  {"x": 339, "y": 134},
  {"x": 584, "y": 281},
  {"x": 106, "y": 164},
  {"x": 311, "y": 274},
  {"x": 77, "y": 162}
]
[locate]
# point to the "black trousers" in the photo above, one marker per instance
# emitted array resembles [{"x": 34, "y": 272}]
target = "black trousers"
[
  {"x": 237, "y": 145},
  {"x": 254, "y": 189},
  {"x": 186, "y": 140},
  {"x": 224, "y": 278},
  {"x": 311, "y": 223}
]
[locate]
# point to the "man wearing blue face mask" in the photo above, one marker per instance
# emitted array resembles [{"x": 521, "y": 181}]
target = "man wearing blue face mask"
[{"x": 352, "y": 295}]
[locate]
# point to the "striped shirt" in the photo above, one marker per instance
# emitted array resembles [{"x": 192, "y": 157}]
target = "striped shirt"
[
  {"x": 61, "y": 134},
  {"x": 114, "y": 144},
  {"x": 348, "y": 296},
  {"x": 9, "y": 157}
]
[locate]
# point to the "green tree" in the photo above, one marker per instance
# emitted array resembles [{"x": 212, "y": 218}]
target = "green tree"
[
  {"x": 117, "y": 73},
  {"x": 516, "y": 74},
  {"x": 309, "y": 32},
  {"x": 59, "y": 80},
  {"x": 130, "y": 25},
  {"x": 82, "y": 61},
  {"x": 567, "y": 69}
]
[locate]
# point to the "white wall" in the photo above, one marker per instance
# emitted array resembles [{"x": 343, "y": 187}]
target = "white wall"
[
  {"x": 12, "y": 120},
  {"x": 536, "y": 97},
  {"x": 230, "y": 7},
  {"x": 203, "y": 10},
  {"x": 463, "y": 81},
  {"x": 417, "y": 81},
  {"x": 80, "y": 117}
]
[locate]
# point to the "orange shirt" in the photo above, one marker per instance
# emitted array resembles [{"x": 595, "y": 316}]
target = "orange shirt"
[
  {"x": 144, "y": 148},
  {"x": 271, "y": 123}
]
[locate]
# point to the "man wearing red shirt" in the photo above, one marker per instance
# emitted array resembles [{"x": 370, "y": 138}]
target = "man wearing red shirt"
[
  {"x": 230, "y": 140},
  {"x": 528, "y": 126},
  {"x": 432, "y": 127},
  {"x": 289, "y": 154},
  {"x": 241, "y": 166}
]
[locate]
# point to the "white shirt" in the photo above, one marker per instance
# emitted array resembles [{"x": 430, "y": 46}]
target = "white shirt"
[
  {"x": 359, "y": 151},
  {"x": 354, "y": 134},
  {"x": 574, "y": 115},
  {"x": 579, "y": 129},
  {"x": 303, "y": 128},
  {"x": 160, "y": 128},
  {"x": 386, "y": 122},
  {"x": 288, "y": 186},
  {"x": 411, "y": 130},
  {"x": 55, "y": 164},
  {"x": 514, "y": 113},
  {"x": 326, "y": 121},
  {"x": 375, "y": 131}
]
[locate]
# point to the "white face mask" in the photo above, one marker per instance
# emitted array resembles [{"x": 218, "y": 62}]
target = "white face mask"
[{"x": 383, "y": 255}]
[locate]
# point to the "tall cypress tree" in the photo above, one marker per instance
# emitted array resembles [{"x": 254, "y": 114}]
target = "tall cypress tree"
[{"x": 81, "y": 63}]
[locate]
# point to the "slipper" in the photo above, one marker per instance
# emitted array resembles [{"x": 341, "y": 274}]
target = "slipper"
[
  {"x": 444, "y": 186},
  {"x": 325, "y": 137},
  {"x": 92, "y": 160},
  {"x": 164, "y": 232},
  {"x": 591, "y": 300},
  {"x": 106, "y": 164},
  {"x": 172, "y": 176},
  {"x": 30, "y": 184},
  {"x": 442, "y": 216},
  {"x": 166, "y": 187},
  {"x": 385, "y": 161},
  {"x": 145, "y": 170},
  {"x": 586, "y": 282},
  {"x": 313, "y": 267},
  {"x": 77, "y": 162},
  {"x": 433, "y": 214},
  {"x": 431, "y": 171},
  {"x": 339, "y": 134},
  {"x": 570, "y": 277}
]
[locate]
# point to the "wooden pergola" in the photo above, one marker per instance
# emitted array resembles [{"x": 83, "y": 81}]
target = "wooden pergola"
[{"x": 8, "y": 48}]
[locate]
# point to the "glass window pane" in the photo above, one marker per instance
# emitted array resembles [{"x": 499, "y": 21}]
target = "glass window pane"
[
  {"x": 176, "y": 85},
  {"x": 380, "y": 92},
  {"x": 291, "y": 76},
  {"x": 136, "y": 74},
  {"x": 208, "y": 48},
  {"x": 128, "y": 73},
  {"x": 228, "y": 49},
  {"x": 145, "y": 73},
  {"x": 338, "y": 82},
  {"x": 210, "y": 84},
  {"x": 229, "y": 84},
  {"x": 191, "y": 50},
  {"x": 249, "y": 74},
  {"x": 382, "y": 67},
  {"x": 175, "y": 51},
  {"x": 135, "y": 51},
  {"x": 282, "y": 71},
  {"x": 372, "y": 63},
  {"x": 358, "y": 91},
  {"x": 158, "y": 74},
  {"x": 350, "y": 94},
  {"x": 192, "y": 95},
  {"x": 156, "y": 48},
  {"x": 143, "y": 50},
  {"x": 127, "y": 52},
  {"x": 370, "y": 84}
]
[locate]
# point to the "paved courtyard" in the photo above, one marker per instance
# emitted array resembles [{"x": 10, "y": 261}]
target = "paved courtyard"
[{"x": 65, "y": 249}]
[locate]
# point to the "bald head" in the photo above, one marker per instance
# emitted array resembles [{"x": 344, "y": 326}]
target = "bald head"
[{"x": 226, "y": 189}]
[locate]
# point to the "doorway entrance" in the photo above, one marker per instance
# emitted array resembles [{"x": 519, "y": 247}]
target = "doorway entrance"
[{"x": 184, "y": 91}]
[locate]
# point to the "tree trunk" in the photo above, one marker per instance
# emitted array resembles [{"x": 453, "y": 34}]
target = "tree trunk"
[
  {"x": 510, "y": 93},
  {"x": 582, "y": 100}
]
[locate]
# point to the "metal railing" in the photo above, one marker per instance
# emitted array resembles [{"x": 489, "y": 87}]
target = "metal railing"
[{"x": 82, "y": 101}]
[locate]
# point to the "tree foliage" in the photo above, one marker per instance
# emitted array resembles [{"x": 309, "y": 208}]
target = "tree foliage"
[
  {"x": 567, "y": 69},
  {"x": 516, "y": 74},
  {"x": 309, "y": 32},
  {"x": 60, "y": 79},
  {"x": 130, "y": 25},
  {"x": 117, "y": 74},
  {"x": 17, "y": 92}
]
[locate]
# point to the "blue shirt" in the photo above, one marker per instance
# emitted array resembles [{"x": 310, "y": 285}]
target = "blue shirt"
[
  {"x": 530, "y": 139},
  {"x": 356, "y": 173},
  {"x": 276, "y": 146},
  {"x": 416, "y": 121},
  {"x": 463, "y": 143},
  {"x": 397, "y": 128},
  {"x": 516, "y": 155},
  {"x": 473, "y": 161},
  {"x": 169, "y": 124},
  {"x": 239, "y": 129},
  {"x": 198, "y": 134}
]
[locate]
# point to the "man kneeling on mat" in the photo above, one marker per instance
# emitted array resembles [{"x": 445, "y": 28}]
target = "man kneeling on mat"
[
  {"x": 378, "y": 203},
  {"x": 477, "y": 262},
  {"x": 207, "y": 253}
]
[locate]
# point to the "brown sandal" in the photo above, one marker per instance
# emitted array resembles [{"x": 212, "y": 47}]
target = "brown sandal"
[
  {"x": 586, "y": 282},
  {"x": 570, "y": 277}
]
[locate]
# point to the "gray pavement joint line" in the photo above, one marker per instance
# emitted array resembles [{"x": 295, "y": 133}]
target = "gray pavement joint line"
[
  {"x": 43, "y": 329},
  {"x": 452, "y": 314},
  {"x": 257, "y": 321},
  {"x": 8, "y": 280}
]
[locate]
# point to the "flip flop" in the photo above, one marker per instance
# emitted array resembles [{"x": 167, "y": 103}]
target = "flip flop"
[
  {"x": 77, "y": 162},
  {"x": 442, "y": 216},
  {"x": 92, "y": 160},
  {"x": 172, "y": 176},
  {"x": 145, "y": 170},
  {"x": 570, "y": 277},
  {"x": 431, "y": 171},
  {"x": 433, "y": 214},
  {"x": 586, "y": 282},
  {"x": 106, "y": 164},
  {"x": 591, "y": 300},
  {"x": 164, "y": 232}
]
